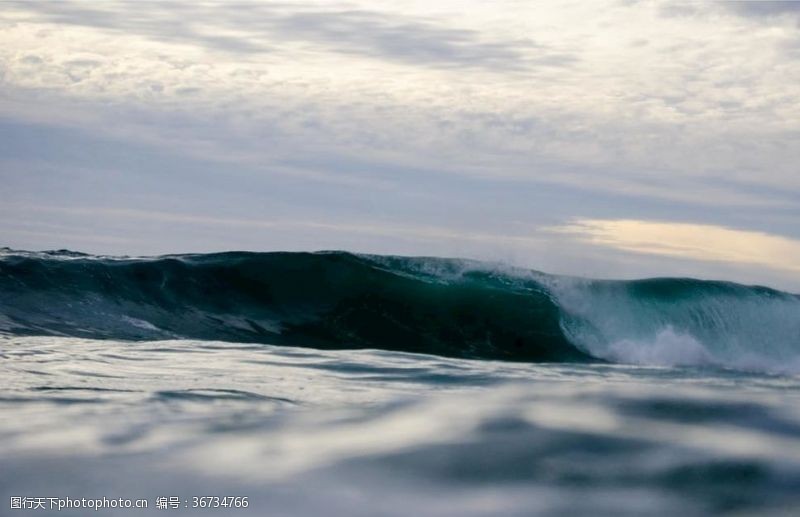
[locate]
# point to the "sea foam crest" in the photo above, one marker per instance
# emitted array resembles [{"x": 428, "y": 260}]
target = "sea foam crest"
[{"x": 671, "y": 322}]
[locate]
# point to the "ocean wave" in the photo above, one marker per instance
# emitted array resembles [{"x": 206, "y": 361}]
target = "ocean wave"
[{"x": 446, "y": 307}]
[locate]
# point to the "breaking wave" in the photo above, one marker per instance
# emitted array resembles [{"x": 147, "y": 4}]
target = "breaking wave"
[{"x": 447, "y": 307}]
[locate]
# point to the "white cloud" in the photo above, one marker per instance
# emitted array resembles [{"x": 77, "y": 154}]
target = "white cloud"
[{"x": 500, "y": 91}]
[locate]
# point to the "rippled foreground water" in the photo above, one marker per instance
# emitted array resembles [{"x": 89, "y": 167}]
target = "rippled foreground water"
[{"x": 307, "y": 432}]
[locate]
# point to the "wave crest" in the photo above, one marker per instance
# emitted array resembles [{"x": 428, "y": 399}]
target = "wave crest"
[{"x": 437, "y": 306}]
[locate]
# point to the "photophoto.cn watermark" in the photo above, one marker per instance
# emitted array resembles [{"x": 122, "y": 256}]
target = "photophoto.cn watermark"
[{"x": 102, "y": 503}]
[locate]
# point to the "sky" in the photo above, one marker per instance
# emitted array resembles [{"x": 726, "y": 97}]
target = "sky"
[{"x": 615, "y": 139}]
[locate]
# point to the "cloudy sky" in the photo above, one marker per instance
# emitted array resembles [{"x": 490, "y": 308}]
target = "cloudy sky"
[{"x": 612, "y": 139}]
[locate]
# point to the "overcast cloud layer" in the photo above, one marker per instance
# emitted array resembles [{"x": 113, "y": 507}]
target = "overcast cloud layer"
[{"x": 591, "y": 138}]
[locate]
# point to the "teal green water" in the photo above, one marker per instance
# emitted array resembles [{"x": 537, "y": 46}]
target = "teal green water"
[{"x": 448, "y": 307}]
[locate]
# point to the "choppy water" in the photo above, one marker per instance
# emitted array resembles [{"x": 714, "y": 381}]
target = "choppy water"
[
  {"x": 309, "y": 432},
  {"x": 347, "y": 385}
]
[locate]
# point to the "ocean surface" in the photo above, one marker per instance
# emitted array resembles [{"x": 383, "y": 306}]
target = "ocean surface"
[{"x": 340, "y": 384}]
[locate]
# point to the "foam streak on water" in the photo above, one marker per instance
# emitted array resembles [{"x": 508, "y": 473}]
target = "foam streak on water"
[{"x": 367, "y": 432}]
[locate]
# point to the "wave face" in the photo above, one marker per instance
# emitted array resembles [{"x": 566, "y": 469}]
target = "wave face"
[
  {"x": 445, "y": 307},
  {"x": 677, "y": 321}
]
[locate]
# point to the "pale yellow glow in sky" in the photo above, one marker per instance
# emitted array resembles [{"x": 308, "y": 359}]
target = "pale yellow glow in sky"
[{"x": 691, "y": 241}]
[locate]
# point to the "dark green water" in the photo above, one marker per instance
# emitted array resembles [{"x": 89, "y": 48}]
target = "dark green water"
[{"x": 446, "y": 307}]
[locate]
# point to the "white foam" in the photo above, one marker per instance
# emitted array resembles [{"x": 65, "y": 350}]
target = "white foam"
[
  {"x": 724, "y": 325},
  {"x": 667, "y": 348},
  {"x": 142, "y": 324}
]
